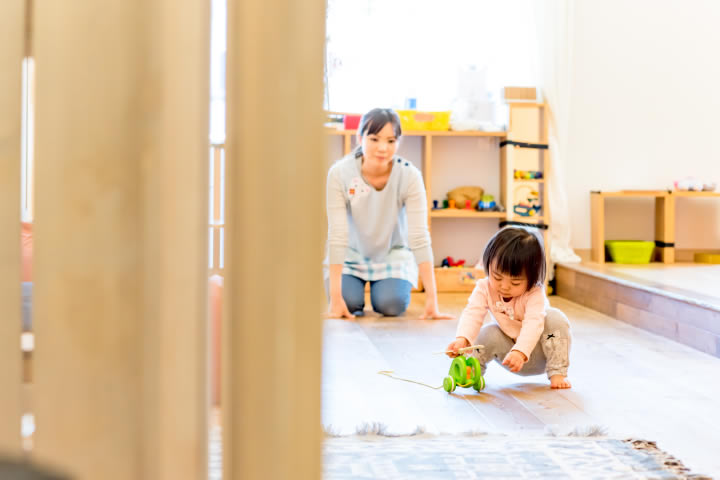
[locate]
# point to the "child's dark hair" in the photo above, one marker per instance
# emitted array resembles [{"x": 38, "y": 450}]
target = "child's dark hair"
[
  {"x": 374, "y": 121},
  {"x": 515, "y": 251}
]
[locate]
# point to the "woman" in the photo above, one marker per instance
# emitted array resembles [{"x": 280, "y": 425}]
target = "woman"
[{"x": 377, "y": 226}]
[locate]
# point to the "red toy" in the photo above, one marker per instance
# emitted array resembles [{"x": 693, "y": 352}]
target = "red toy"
[{"x": 450, "y": 262}]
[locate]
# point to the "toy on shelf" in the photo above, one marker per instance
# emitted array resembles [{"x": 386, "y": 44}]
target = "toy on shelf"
[
  {"x": 435, "y": 205},
  {"x": 461, "y": 195},
  {"x": 530, "y": 205},
  {"x": 487, "y": 204},
  {"x": 690, "y": 184},
  {"x": 450, "y": 262},
  {"x": 464, "y": 372},
  {"x": 528, "y": 174}
]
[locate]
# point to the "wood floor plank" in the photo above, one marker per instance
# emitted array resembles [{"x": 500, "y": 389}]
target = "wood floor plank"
[
  {"x": 353, "y": 392},
  {"x": 626, "y": 380}
]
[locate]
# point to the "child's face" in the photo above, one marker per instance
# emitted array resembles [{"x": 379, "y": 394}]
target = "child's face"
[
  {"x": 380, "y": 147},
  {"x": 505, "y": 284}
]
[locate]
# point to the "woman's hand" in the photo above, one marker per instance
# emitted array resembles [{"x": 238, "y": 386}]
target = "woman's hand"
[
  {"x": 515, "y": 360},
  {"x": 452, "y": 349},
  {"x": 338, "y": 309},
  {"x": 431, "y": 312}
]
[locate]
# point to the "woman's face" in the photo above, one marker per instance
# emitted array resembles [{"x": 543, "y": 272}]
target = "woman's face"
[{"x": 379, "y": 147}]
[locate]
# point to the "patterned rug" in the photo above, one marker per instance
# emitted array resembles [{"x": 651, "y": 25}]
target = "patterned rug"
[{"x": 497, "y": 457}]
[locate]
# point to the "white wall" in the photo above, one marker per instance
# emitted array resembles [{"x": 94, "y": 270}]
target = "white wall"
[{"x": 645, "y": 111}]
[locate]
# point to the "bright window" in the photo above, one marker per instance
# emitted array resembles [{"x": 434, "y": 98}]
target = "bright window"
[{"x": 383, "y": 52}]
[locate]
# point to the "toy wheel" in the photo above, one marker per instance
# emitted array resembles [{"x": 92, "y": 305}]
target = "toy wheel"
[
  {"x": 449, "y": 384},
  {"x": 479, "y": 384},
  {"x": 458, "y": 370},
  {"x": 475, "y": 371}
]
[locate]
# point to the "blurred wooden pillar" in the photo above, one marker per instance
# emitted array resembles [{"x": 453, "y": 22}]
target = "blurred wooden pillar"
[
  {"x": 12, "y": 24},
  {"x": 121, "y": 237},
  {"x": 276, "y": 171}
]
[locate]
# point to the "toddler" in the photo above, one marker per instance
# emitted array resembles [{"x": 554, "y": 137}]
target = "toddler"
[{"x": 530, "y": 336}]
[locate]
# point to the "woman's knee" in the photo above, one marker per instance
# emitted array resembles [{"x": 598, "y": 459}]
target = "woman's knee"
[
  {"x": 353, "y": 292},
  {"x": 390, "y": 297},
  {"x": 390, "y": 305}
]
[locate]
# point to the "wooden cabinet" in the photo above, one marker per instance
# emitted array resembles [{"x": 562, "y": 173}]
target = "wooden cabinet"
[{"x": 664, "y": 219}]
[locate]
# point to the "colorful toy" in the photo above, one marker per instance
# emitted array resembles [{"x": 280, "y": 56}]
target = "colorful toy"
[
  {"x": 450, "y": 262},
  {"x": 528, "y": 208},
  {"x": 435, "y": 204},
  {"x": 527, "y": 174},
  {"x": 451, "y": 203},
  {"x": 445, "y": 204},
  {"x": 461, "y": 195},
  {"x": 690, "y": 184},
  {"x": 464, "y": 372},
  {"x": 486, "y": 203}
]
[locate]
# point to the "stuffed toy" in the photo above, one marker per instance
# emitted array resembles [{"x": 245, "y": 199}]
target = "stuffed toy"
[{"x": 462, "y": 194}]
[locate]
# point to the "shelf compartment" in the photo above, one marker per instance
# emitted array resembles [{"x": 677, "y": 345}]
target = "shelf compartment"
[{"x": 457, "y": 279}]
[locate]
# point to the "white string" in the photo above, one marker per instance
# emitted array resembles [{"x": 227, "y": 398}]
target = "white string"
[{"x": 389, "y": 373}]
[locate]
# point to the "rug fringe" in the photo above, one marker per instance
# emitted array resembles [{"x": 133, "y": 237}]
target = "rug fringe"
[
  {"x": 379, "y": 429},
  {"x": 578, "y": 431}
]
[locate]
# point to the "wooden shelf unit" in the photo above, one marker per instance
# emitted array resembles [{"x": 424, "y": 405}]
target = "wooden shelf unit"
[
  {"x": 528, "y": 125},
  {"x": 664, "y": 219}
]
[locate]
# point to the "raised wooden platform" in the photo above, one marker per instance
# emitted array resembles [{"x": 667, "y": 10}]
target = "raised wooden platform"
[{"x": 680, "y": 302}]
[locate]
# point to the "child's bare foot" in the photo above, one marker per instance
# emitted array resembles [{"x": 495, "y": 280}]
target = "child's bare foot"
[{"x": 559, "y": 381}]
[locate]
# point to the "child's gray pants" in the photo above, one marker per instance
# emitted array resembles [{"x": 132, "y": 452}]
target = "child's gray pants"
[{"x": 551, "y": 354}]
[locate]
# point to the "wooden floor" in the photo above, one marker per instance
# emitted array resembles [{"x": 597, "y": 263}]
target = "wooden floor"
[{"x": 626, "y": 380}]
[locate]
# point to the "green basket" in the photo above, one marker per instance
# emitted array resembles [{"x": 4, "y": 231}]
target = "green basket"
[{"x": 630, "y": 251}]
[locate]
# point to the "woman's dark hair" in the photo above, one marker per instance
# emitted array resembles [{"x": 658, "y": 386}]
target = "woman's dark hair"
[
  {"x": 374, "y": 121},
  {"x": 513, "y": 251}
]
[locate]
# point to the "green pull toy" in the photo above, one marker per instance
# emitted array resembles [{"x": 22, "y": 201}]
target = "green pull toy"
[{"x": 464, "y": 372}]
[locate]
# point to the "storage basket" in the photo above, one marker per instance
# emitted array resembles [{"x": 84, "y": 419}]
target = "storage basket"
[
  {"x": 414, "y": 120},
  {"x": 630, "y": 251},
  {"x": 457, "y": 279}
]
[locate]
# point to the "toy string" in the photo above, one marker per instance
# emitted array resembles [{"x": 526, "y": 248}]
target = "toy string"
[
  {"x": 389, "y": 373},
  {"x": 461, "y": 350}
]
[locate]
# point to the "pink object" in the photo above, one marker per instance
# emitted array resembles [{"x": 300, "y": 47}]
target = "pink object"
[
  {"x": 351, "y": 122},
  {"x": 522, "y": 318},
  {"x": 27, "y": 250},
  {"x": 215, "y": 287}
]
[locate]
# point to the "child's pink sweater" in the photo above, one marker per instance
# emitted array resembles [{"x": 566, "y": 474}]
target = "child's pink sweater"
[{"x": 522, "y": 318}]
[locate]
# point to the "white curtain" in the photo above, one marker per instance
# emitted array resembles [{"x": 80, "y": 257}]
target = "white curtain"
[{"x": 555, "y": 40}]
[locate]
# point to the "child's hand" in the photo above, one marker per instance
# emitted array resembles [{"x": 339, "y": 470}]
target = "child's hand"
[
  {"x": 452, "y": 349},
  {"x": 515, "y": 360}
]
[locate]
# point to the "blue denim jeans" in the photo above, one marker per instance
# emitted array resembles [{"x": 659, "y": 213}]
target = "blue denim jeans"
[{"x": 389, "y": 297}]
